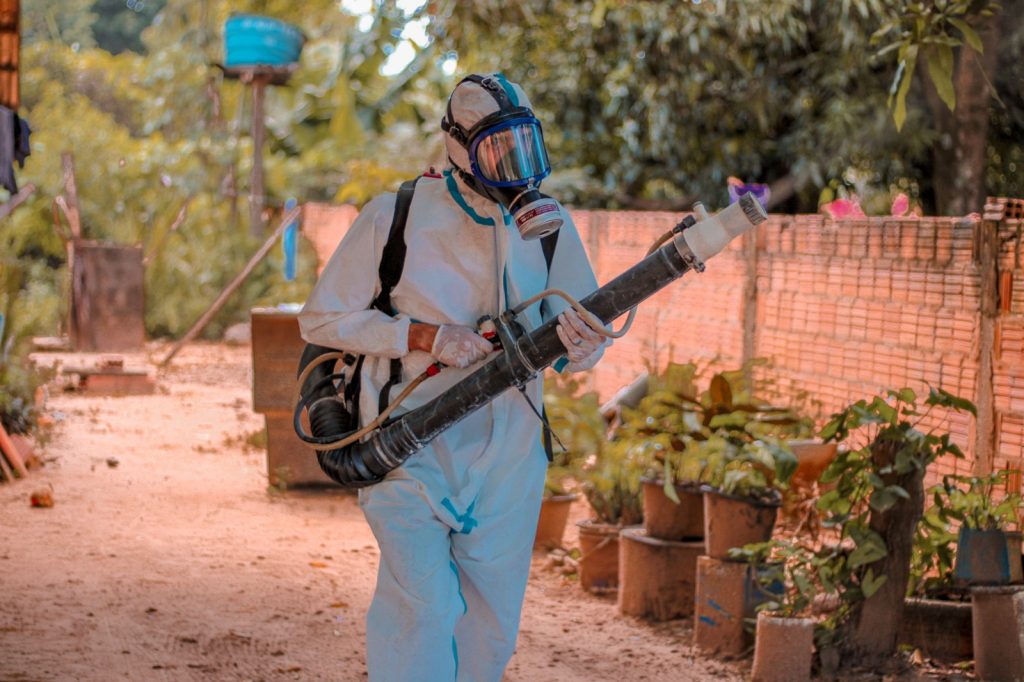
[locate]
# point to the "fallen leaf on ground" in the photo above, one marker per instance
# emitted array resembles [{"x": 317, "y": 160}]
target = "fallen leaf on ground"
[
  {"x": 41, "y": 498},
  {"x": 317, "y": 564}
]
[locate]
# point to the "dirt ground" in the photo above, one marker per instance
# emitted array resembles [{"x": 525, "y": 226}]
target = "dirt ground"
[{"x": 178, "y": 563}]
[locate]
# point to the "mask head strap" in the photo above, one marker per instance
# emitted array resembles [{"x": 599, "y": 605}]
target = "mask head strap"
[{"x": 494, "y": 86}]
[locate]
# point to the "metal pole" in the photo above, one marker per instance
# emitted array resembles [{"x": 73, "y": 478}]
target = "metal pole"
[
  {"x": 288, "y": 218},
  {"x": 256, "y": 188}
]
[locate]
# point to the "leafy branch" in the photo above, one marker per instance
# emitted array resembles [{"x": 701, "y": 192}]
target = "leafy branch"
[{"x": 928, "y": 32}]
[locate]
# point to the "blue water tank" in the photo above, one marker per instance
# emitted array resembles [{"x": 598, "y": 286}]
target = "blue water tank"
[{"x": 251, "y": 40}]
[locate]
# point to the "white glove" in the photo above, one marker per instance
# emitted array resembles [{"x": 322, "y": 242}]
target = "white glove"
[
  {"x": 460, "y": 347},
  {"x": 582, "y": 344}
]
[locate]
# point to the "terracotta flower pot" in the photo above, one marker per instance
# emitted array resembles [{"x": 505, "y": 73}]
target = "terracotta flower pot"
[
  {"x": 988, "y": 557},
  {"x": 666, "y": 520},
  {"x": 599, "y": 560},
  {"x": 783, "y": 649},
  {"x": 736, "y": 521},
  {"x": 554, "y": 515}
]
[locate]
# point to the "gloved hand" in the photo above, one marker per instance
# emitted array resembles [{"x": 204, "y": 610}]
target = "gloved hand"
[
  {"x": 582, "y": 343},
  {"x": 460, "y": 347}
]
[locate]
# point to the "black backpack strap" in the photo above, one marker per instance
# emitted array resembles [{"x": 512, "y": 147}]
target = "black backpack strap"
[
  {"x": 548, "y": 244},
  {"x": 545, "y": 428},
  {"x": 392, "y": 262}
]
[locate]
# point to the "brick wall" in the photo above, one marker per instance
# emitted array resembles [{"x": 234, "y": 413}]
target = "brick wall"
[{"x": 843, "y": 310}]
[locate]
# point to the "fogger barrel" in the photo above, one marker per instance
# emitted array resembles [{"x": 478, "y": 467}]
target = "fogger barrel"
[{"x": 526, "y": 355}]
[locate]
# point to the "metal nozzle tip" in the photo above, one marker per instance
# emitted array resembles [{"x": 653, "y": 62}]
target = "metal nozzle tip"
[{"x": 752, "y": 209}]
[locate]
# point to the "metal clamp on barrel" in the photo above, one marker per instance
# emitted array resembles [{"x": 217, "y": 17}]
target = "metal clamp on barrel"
[
  {"x": 510, "y": 333},
  {"x": 687, "y": 254}
]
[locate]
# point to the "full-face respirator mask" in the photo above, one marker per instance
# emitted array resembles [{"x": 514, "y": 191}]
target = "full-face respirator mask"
[{"x": 507, "y": 159}]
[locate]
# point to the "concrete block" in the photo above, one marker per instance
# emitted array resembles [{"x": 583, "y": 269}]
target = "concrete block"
[
  {"x": 718, "y": 626},
  {"x": 997, "y": 615}
]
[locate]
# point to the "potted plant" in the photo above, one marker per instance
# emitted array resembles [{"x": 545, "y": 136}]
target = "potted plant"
[
  {"x": 579, "y": 431},
  {"x": 785, "y": 579},
  {"x": 610, "y": 480},
  {"x": 987, "y": 550},
  {"x": 675, "y": 423},
  {"x": 664, "y": 426},
  {"x": 731, "y": 444},
  {"x": 744, "y": 479}
]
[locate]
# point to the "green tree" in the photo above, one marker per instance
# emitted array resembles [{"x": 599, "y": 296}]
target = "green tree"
[
  {"x": 66, "y": 21},
  {"x": 157, "y": 132},
  {"x": 653, "y": 104},
  {"x": 958, "y": 45},
  {"x": 119, "y": 23}
]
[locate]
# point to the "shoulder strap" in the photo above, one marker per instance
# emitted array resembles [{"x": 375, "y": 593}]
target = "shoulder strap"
[
  {"x": 392, "y": 262},
  {"x": 548, "y": 243}
]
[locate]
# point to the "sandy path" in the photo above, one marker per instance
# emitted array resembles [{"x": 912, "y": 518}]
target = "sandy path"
[{"x": 178, "y": 564}]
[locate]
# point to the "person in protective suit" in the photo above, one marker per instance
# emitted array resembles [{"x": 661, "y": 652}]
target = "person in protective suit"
[{"x": 456, "y": 522}]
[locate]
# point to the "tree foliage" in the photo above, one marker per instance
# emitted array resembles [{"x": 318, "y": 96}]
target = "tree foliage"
[
  {"x": 158, "y": 131},
  {"x": 120, "y": 23},
  {"x": 664, "y": 101}
]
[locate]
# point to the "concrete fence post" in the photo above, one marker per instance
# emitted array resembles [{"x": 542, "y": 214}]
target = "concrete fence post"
[
  {"x": 986, "y": 262},
  {"x": 750, "y": 258}
]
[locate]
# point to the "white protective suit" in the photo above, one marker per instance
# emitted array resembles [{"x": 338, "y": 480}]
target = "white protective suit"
[{"x": 456, "y": 522}]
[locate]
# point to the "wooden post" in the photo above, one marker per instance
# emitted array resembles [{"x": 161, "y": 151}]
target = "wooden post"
[
  {"x": 256, "y": 189},
  {"x": 288, "y": 218},
  {"x": 13, "y": 456},
  {"x": 750, "y": 254},
  {"x": 986, "y": 261},
  {"x": 154, "y": 249},
  {"x": 69, "y": 205},
  {"x": 71, "y": 195},
  {"x": 17, "y": 200}
]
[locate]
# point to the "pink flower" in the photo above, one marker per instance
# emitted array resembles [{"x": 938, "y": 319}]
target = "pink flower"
[
  {"x": 900, "y": 205},
  {"x": 843, "y": 208}
]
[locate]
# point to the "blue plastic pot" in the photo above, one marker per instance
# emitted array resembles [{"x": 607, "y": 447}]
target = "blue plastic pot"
[
  {"x": 988, "y": 557},
  {"x": 252, "y": 40}
]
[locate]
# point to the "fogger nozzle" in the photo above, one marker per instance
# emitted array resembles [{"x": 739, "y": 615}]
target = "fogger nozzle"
[{"x": 712, "y": 234}]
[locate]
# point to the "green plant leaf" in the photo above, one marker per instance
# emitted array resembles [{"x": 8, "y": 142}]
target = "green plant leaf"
[
  {"x": 939, "y": 60},
  {"x": 885, "y": 498},
  {"x": 904, "y": 75},
  {"x": 907, "y": 395},
  {"x": 970, "y": 35},
  {"x": 870, "y": 548},
  {"x": 943, "y": 398},
  {"x": 669, "y": 486},
  {"x": 884, "y": 410},
  {"x": 870, "y": 584}
]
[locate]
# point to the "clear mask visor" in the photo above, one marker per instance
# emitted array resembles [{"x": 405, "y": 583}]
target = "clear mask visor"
[{"x": 511, "y": 154}]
